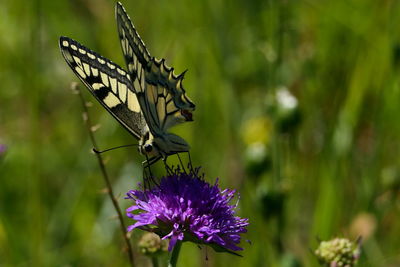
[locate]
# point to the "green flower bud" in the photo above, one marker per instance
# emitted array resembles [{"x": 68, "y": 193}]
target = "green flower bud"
[
  {"x": 338, "y": 252},
  {"x": 151, "y": 244}
]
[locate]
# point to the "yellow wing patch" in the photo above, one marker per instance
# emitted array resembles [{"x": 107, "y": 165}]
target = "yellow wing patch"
[
  {"x": 122, "y": 91},
  {"x": 111, "y": 100},
  {"x": 113, "y": 83},
  {"x": 133, "y": 103},
  {"x": 104, "y": 78}
]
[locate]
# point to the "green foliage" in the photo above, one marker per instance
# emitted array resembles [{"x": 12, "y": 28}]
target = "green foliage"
[{"x": 337, "y": 159}]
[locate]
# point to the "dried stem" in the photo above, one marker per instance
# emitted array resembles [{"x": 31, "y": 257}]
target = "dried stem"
[{"x": 105, "y": 174}]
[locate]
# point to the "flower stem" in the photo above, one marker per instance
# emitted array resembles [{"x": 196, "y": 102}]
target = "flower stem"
[
  {"x": 114, "y": 201},
  {"x": 175, "y": 254},
  {"x": 154, "y": 261}
]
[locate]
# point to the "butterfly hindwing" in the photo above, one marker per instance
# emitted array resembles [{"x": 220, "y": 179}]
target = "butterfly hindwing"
[
  {"x": 164, "y": 112},
  {"x": 109, "y": 83}
]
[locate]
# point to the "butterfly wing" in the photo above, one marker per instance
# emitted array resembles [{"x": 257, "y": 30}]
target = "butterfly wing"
[
  {"x": 135, "y": 52},
  {"x": 156, "y": 72},
  {"x": 109, "y": 84},
  {"x": 160, "y": 93}
]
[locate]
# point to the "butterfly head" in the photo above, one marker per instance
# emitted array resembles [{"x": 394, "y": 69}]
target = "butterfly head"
[{"x": 147, "y": 146}]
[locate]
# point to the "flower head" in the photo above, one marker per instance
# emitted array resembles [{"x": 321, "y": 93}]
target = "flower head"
[
  {"x": 183, "y": 207},
  {"x": 338, "y": 252}
]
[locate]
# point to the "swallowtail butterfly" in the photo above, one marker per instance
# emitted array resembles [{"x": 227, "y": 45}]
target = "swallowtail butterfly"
[{"x": 147, "y": 100}]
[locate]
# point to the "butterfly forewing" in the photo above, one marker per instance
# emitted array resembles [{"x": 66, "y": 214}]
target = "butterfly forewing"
[
  {"x": 138, "y": 59},
  {"x": 133, "y": 48},
  {"x": 108, "y": 82}
]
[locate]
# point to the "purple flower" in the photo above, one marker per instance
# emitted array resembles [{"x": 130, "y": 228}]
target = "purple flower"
[
  {"x": 3, "y": 149},
  {"x": 183, "y": 207}
]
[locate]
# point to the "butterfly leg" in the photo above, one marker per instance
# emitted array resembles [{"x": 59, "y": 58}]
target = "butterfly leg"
[
  {"x": 147, "y": 176},
  {"x": 147, "y": 162},
  {"x": 167, "y": 168},
  {"x": 190, "y": 165},
  {"x": 146, "y": 184},
  {"x": 149, "y": 180},
  {"x": 180, "y": 160}
]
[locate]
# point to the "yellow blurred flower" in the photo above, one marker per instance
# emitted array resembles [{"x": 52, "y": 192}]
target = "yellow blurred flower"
[{"x": 257, "y": 130}]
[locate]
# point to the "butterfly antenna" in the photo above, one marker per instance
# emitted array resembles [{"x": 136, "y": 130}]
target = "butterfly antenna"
[{"x": 102, "y": 151}]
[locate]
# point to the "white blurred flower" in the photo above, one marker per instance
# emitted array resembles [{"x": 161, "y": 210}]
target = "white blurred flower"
[{"x": 285, "y": 98}]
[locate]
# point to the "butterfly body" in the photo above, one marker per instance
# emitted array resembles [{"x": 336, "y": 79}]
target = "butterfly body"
[
  {"x": 147, "y": 100},
  {"x": 161, "y": 146}
]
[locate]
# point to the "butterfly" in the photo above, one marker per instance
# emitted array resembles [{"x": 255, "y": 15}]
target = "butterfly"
[{"x": 147, "y": 99}]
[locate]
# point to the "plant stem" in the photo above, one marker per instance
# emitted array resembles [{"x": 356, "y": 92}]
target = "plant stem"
[
  {"x": 175, "y": 254},
  {"x": 105, "y": 174},
  {"x": 154, "y": 261}
]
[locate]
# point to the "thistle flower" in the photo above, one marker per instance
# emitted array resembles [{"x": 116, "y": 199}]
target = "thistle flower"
[
  {"x": 183, "y": 207},
  {"x": 338, "y": 252}
]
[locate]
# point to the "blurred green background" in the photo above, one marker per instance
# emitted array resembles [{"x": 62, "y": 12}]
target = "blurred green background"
[{"x": 297, "y": 108}]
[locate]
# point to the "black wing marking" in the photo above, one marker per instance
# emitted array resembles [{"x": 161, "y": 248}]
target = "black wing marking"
[{"x": 108, "y": 82}]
